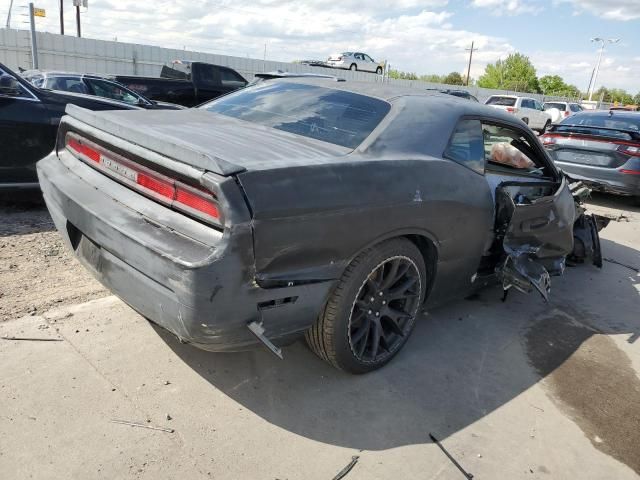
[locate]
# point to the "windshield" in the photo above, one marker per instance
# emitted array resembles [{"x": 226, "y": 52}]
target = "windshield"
[
  {"x": 503, "y": 101},
  {"x": 333, "y": 116},
  {"x": 560, "y": 106}
]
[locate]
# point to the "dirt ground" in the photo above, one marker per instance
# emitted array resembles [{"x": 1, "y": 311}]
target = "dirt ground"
[{"x": 36, "y": 270}]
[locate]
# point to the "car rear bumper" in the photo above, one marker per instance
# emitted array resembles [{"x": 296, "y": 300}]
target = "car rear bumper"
[
  {"x": 603, "y": 179},
  {"x": 199, "y": 285}
]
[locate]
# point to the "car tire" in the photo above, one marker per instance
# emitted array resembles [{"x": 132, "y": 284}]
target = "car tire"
[
  {"x": 546, "y": 126},
  {"x": 379, "y": 71},
  {"x": 353, "y": 67},
  {"x": 368, "y": 302}
]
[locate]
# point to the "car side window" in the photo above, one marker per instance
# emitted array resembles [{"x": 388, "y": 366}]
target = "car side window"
[
  {"x": 508, "y": 150},
  {"x": 102, "y": 88},
  {"x": 526, "y": 103},
  {"x": 10, "y": 87},
  {"x": 368, "y": 59},
  {"x": 229, "y": 77},
  {"x": 466, "y": 145}
]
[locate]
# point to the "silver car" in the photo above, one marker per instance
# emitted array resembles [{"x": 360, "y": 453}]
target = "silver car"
[
  {"x": 600, "y": 148},
  {"x": 355, "y": 61}
]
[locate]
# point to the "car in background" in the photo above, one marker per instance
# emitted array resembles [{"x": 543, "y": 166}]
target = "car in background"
[
  {"x": 185, "y": 82},
  {"x": 354, "y": 61},
  {"x": 29, "y": 118},
  {"x": 261, "y": 77},
  {"x": 561, "y": 110},
  {"x": 626, "y": 108},
  {"x": 529, "y": 110},
  {"x": 211, "y": 230},
  {"x": 456, "y": 93},
  {"x": 600, "y": 148},
  {"x": 93, "y": 85}
]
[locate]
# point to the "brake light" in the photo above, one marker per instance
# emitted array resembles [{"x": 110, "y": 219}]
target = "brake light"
[
  {"x": 630, "y": 150},
  {"x": 511, "y": 110},
  {"x": 629, "y": 172},
  {"x": 83, "y": 149},
  {"x": 548, "y": 140},
  {"x": 566, "y": 113},
  {"x": 176, "y": 194}
]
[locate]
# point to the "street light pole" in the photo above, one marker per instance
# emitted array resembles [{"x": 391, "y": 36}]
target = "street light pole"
[
  {"x": 470, "y": 50},
  {"x": 597, "y": 69}
]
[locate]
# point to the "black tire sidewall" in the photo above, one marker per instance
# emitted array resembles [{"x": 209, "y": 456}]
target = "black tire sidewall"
[
  {"x": 374, "y": 257},
  {"x": 353, "y": 67}
]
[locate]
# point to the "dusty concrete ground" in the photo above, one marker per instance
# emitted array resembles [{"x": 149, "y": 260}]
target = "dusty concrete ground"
[{"x": 512, "y": 390}]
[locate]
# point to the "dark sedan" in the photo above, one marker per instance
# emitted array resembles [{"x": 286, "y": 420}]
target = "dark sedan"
[
  {"x": 601, "y": 148},
  {"x": 94, "y": 85},
  {"x": 304, "y": 207},
  {"x": 29, "y": 118}
]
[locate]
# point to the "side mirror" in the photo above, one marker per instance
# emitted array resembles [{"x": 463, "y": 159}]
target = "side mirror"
[{"x": 9, "y": 86}]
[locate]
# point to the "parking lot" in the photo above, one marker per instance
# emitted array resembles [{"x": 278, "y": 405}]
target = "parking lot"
[{"x": 519, "y": 389}]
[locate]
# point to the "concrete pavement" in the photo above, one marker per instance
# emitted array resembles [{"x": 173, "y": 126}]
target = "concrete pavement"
[{"x": 512, "y": 390}]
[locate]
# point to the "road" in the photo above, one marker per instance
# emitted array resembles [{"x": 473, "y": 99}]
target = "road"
[{"x": 513, "y": 390}]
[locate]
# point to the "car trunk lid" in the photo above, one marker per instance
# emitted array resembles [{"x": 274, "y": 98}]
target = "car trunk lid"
[{"x": 206, "y": 141}]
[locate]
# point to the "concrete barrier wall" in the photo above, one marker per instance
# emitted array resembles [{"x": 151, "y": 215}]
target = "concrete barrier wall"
[{"x": 72, "y": 54}]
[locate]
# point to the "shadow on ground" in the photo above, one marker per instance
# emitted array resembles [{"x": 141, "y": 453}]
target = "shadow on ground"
[
  {"x": 619, "y": 202},
  {"x": 23, "y": 213},
  {"x": 462, "y": 362}
]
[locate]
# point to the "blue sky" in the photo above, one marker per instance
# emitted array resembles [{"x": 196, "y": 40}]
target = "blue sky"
[{"x": 421, "y": 36}]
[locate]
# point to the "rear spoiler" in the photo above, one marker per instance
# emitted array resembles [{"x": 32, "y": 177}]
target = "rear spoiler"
[
  {"x": 634, "y": 134},
  {"x": 115, "y": 131}
]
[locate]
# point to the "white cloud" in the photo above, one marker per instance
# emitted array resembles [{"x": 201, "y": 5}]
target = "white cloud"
[
  {"x": 623, "y": 10},
  {"x": 509, "y": 7}
]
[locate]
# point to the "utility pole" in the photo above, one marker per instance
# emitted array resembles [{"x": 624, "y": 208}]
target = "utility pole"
[
  {"x": 78, "y": 4},
  {"x": 595, "y": 73},
  {"x": 9, "y": 14},
  {"x": 61, "y": 2},
  {"x": 34, "y": 43},
  {"x": 470, "y": 50}
]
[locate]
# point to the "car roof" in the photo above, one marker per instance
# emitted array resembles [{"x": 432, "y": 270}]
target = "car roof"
[{"x": 389, "y": 92}]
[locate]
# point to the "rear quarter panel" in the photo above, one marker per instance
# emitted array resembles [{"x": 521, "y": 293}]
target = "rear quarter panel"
[{"x": 310, "y": 222}]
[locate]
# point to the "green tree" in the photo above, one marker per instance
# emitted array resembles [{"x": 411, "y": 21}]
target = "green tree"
[
  {"x": 402, "y": 75},
  {"x": 515, "y": 73},
  {"x": 433, "y": 78},
  {"x": 636, "y": 99},
  {"x": 454, "y": 78},
  {"x": 552, "y": 84},
  {"x": 621, "y": 96}
]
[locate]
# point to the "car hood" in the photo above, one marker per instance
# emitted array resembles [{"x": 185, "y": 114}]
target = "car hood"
[{"x": 210, "y": 141}]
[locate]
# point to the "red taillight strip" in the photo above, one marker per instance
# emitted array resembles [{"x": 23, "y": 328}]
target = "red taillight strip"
[
  {"x": 178, "y": 195},
  {"x": 629, "y": 172}
]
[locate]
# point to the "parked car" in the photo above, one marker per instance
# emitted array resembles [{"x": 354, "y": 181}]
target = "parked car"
[
  {"x": 600, "y": 148},
  {"x": 355, "y": 61},
  {"x": 185, "y": 83},
  {"x": 261, "y": 77},
  {"x": 29, "y": 118},
  {"x": 561, "y": 110},
  {"x": 269, "y": 214},
  {"x": 456, "y": 93},
  {"x": 93, "y": 85},
  {"x": 529, "y": 110}
]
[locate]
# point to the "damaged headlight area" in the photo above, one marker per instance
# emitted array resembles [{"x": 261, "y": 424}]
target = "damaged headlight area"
[{"x": 542, "y": 229}]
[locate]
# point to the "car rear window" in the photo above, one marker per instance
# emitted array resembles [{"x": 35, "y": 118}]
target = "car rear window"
[
  {"x": 560, "y": 106},
  {"x": 503, "y": 101},
  {"x": 610, "y": 126},
  {"x": 333, "y": 116}
]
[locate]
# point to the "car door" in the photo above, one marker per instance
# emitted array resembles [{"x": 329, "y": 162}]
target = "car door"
[
  {"x": 541, "y": 115},
  {"x": 527, "y": 112},
  {"x": 370, "y": 63},
  {"x": 26, "y": 132},
  {"x": 360, "y": 61},
  {"x": 535, "y": 210}
]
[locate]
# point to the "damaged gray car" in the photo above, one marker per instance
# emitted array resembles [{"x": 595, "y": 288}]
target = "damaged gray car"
[{"x": 309, "y": 207}]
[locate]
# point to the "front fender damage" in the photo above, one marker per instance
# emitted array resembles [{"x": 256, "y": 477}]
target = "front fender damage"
[{"x": 541, "y": 236}]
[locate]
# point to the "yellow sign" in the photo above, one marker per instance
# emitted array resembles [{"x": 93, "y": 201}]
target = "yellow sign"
[{"x": 39, "y": 12}]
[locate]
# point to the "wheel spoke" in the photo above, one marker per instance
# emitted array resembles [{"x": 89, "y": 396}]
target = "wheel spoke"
[
  {"x": 390, "y": 277},
  {"x": 404, "y": 286},
  {"x": 375, "y": 339},
  {"x": 365, "y": 340},
  {"x": 395, "y": 327},
  {"x": 361, "y": 331}
]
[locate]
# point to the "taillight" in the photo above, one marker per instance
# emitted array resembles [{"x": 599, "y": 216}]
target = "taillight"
[
  {"x": 629, "y": 172},
  {"x": 548, "y": 140},
  {"x": 566, "y": 114},
  {"x": 630, "y": 150},
  {"x": 174, "y": 193},
  {"x": 511, "y": 110}
]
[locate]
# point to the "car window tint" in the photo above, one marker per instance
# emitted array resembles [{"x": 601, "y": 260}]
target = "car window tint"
[
  {"x": 560, "y": 106},
  {"x": 613, "y": 127},
  {"x": 6, "y": 81},
  {"x": 334, "y": 116},
  {"x": 229, "y": 76},
  {"x": 466, "y": 146},
  {"x": 574, "y": 108},
  {"x": 114, "y": 91},
  {"x": 502, "y": 101},
  {"x": 65, "y": 84}
]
